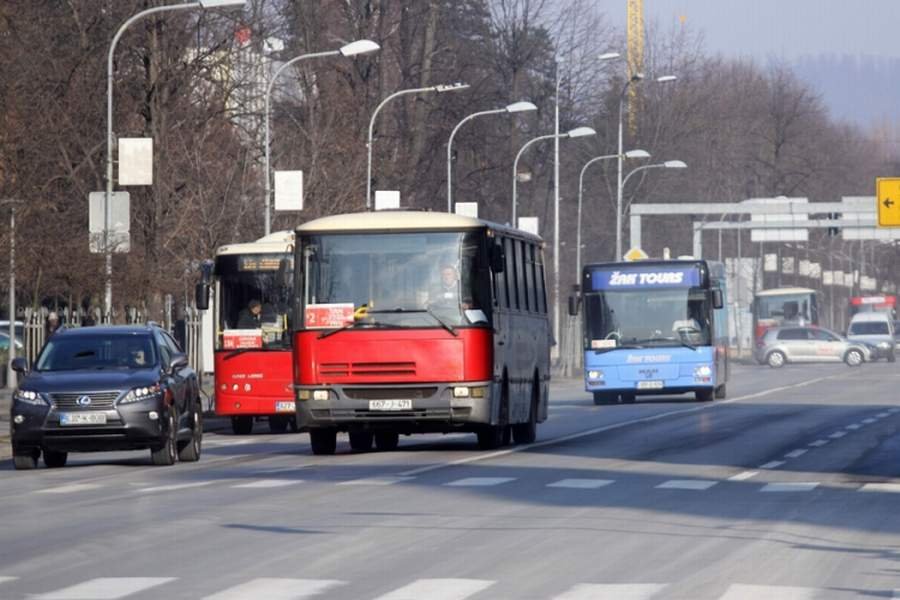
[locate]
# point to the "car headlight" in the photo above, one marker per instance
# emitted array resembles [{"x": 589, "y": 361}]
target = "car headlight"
[
  {"x": 595, "y": 375},
  {"x": 884, "y": 346},
  {"x": 30, "y": 397},
  {"x": 150, "y": 392},
  {"x": 703, "y": 371}
]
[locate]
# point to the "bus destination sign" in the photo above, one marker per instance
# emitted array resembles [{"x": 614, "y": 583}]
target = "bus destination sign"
[
  {"x": 643, "y": 278},
  {"x": 260, "y": 262}
]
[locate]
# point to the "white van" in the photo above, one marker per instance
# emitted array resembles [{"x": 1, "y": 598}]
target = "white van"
[{"x": 875, "y": 329}]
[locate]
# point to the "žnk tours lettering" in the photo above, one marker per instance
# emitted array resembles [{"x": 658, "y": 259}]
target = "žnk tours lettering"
[
  {"x": 618, "y": 278},
  {"x": 644, "y": 278}
]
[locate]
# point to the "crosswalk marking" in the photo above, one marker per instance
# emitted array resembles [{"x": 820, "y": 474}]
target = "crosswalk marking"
[
  {"x": 769, "y": 592},
  {"x": 687, "y": 484},
  {"x": 106, "y": 588},
  {"x": 891, "y": 488},
  {"x": 276, "y": 588},
  {"x": 438, "y": 589},
  {"x": 479, "y": 481},
  {"x": 388, "y": 480},
  {"x": 612, "y": 591},
  {"x": 71, "y": 488},
  {"x": 743, "y": 476},
  {"x": 796, "y": 453},
  {"x": 790, "y": 487},
  {"x": 581, "y": 484},
  {"x": 268, "y": 483},
  {"x": 174, "y": 486},
  {"x": 772, "y": 465}
]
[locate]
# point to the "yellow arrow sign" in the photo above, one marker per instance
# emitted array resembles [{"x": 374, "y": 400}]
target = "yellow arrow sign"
[
  {"x": 636, "y": 254},
  {"x": 887, "y": 193}
]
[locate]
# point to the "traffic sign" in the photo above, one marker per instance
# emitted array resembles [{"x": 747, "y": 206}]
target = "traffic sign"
[
  {"x": 887, "y": 194},
  {"x": 636, "y": 254}
]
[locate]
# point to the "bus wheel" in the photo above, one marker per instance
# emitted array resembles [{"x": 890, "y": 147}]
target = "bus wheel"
[
  {"x": 705, "y": 395},
  {"x": 721, "y": 392},
  {"x": 629, "y": 398},
  {"x": 361, "y": 441},
  {"x": 323, "y": 441},
  {"x": 526, "y": 433},
  {"x": 278, "y": 424},
  {"x": 241, "y": 425},
  {"x": 601, "y": 398},
  {"x": 387, "y": 441}
]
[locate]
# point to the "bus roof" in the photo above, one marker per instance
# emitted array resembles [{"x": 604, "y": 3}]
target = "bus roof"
[
  {"x": 404, "y": 220},
  {"x": 785, "y": 292},
  {"x": 279, "y": 241}
]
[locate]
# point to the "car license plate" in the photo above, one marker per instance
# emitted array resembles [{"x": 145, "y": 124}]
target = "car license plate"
[
  {"x": 88, "y": 418},
  {"x": 285, "y": 407},
  {"x": 390, "y": 404},
  {"x": 650, "y": 385}
]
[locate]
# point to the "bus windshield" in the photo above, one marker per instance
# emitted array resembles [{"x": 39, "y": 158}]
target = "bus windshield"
[
  {"x": 647, "y": 318},
  {"x": 422, "y": 279},
  {"x": 254, "y": 300},
  {"x": 785, "y": 309}
]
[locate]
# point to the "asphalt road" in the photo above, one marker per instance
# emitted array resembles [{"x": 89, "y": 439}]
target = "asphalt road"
[{"x": 788, "y": 490}]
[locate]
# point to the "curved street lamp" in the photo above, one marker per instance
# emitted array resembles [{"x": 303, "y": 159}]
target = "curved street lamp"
[
  {"x": 669, "y": 164},
  {"x": 512, "y": 108},
  {"x": 352, "y": 49}
]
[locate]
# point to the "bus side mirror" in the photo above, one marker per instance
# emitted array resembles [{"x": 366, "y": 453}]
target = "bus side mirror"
[
  {"x": 19, "y": 365},
  {"x": 718, "y": 299},
  {"x": 573, "y": 306},
  {"x": 498, "y": 258},
  {"x": 201, "y": 296}
]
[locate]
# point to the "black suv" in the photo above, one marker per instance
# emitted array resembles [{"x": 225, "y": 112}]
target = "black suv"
[{"x": 107, "y": 388}]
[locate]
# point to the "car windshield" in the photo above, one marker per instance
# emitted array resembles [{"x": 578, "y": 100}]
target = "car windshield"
[
  {"x": 73, "y": 353},
  {"x": 869, "y": 328}
]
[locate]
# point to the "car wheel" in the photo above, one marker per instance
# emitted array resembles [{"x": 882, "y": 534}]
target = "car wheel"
[
  {"x": 278, "y": 424},
  {"x": 387, "y": 441},
  {"x": 190, "y": 451},
  {"x": 361, "y": 441},
  {"x": 776, "y": 359},
  {"x": 601, "y": 398},
  {"x": 323, "y": 441},
  {"x": 165, "y": 455},
  {"x": 853, "y": 358},
  {"x": 241, "y": 425},
  {"x": 55, "y": 460},
  {"x": 27, "y": 460},
  {"x": 705, "y": 395}
]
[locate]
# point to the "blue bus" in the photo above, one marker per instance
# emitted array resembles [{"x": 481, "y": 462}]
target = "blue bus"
[{"x": 654, "y": 327}]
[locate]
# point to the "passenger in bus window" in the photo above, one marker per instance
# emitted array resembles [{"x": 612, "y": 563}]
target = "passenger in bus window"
[{"x": 251, "y": 317}]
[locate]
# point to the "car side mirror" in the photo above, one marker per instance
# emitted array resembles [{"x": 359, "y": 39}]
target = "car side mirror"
[
  {"x": 498, "y": 258},
  {"x": 573, "y": 306},
  {"x": 201, "y": 294},
  {"x": 718, "y": 299},
  {"x": 19, "y": 365},
  {"x": 179, "y": 361}
]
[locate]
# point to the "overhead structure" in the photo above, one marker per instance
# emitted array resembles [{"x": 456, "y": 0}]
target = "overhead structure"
[{"x": 635, "y": 33}]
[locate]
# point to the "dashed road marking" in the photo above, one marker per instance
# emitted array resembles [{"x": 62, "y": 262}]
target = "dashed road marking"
[
  {"x": 790, "y": 487},
  {"x": 837, "y": 435},
  {"x": 743, "y": 476},
  {"x": 479, "y": 481},
  {"x": 869, "y": 421},
  {"x": 7, "y": 578},
  {"x": 386, "y": 480},
  {"x": 69, "y": 489},
  {"x": 439, "y": 589},
  {"x": 890, "y": 488},
  {"x": 687, "y": 484},
  {"x": 276, "y": 588},
  {"x": 106, "y": 588},
  {"x": 612, "y": 591},
  {"x": 174, "y": 486},
  {"x": 769, "y": 592},
  {"x": 772, "y": 464},
  {"x": 581, "y": 484},
  {"x": 268, "y": 483},
  {"x": 796, "y": 453},
  {"x": 882, "y": 415},
  {"x": 818, "y": 443},
  {"x": 854, "y": 426}
]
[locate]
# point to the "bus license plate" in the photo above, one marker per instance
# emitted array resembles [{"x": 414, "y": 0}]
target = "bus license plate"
[
  {"x": 390, "y": 404},
  {"x": 82, "y": 418},
  {"x": 650, "y": 385},
  {"x": 285, "y": 407}
]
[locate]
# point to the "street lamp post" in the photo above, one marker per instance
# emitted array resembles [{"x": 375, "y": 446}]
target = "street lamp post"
[
  {"x": 512, "y": 108},
  {"x": 574, "y": 133},
  {"x": 110, "y": 142},
  {"x": 10, "y": 374},
  {"x": 637, "y": 77},
  {"x": 352, "y": 49},
  {"x": 629, "y": 154},
  {"x": 434, "y": 88},
  {"x": 669, "y": 164}
]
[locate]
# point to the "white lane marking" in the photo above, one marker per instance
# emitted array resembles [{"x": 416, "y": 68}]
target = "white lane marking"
[
  {"x": 268, "y": 483},
  {"x": 796, "y": 453},
  {"x": 106, "y": 588},
  {"x": 855, "y": 426},
  {"x": 174, "y": 486},
  {"x": 869, "y": 421},
  {"x": 479, "y": 481},
  {"x": 790, "y": 487},
  {"x": 686, "y": 484},
  {"x": 769, "y": 592},
  {"x": 837, "y": 435},
  {"x": 7, "y": 578},
  {"x": 438, "y": 589},
  {"x": 387, "y": 480},
  {"x": 772, "y": 465},
  {"x": 818, "y": 443},
  {"x": 891, "y": 488},
  {"x": 882, "y": 415},
  {"x": 68, "y": 489},
  {"x": 276, "y": 588},
  {"x": 743, "y": 476},
  {"x": 226, "y": 443},
  {"x": 581, "y": 484},
  {"x": 612, "y": 591},
  {"x": 894, "y": 410},
  {"x": 614, "y": 426}
]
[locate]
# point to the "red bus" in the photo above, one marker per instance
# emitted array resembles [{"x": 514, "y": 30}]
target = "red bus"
[
  {"x": 885, "y": 304},
  {"x": 417, "y": 322},
  {"x": 253, "y": 360},
  {"x": 784, "y": 306}
]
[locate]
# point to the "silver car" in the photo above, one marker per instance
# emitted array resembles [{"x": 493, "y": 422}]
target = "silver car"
[{"x": 782, "y": 345}]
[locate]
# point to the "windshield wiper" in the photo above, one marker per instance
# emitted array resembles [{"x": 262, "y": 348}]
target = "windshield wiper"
[
  {"x": 666, "y": 339},
  {"x": 397, "y": 311},
  {"x": 351, "y": 325}
]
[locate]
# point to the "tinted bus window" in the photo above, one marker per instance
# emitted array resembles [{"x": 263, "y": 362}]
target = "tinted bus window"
[
  {"x": 529, "y": 277},
  {"x": 520, "y": 276},
  {"x": 541, "y": 289},
  {"x": 511, "y": 275}
]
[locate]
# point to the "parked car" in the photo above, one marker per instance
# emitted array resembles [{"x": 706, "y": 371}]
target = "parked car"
[
  {"x": 4, "y": 342},
  {"x": 876, "y": 330},
  {"x": 107, "y": 388},
  {"x": 782, "y": 345}
]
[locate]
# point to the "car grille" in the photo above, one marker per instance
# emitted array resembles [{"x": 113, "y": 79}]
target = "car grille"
[{"x": 99, "y": 400}]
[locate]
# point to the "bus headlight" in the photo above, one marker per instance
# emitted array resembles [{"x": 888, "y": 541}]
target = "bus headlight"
[
  {"x": 303, "y": 395},
  {"x": 320, "y": 395},
  {"x": 595, "y": 375},
  {"x": 460, "y": 392},
  {"x": 703, "y": 373}
]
